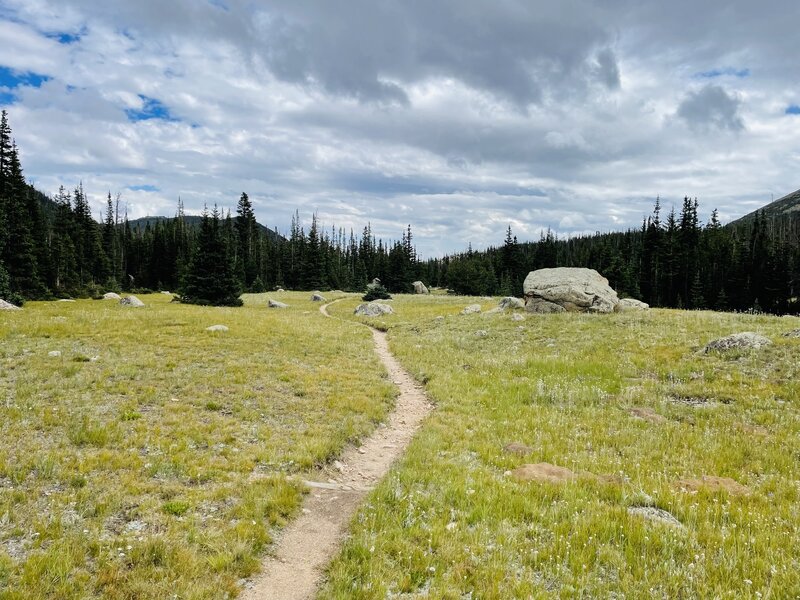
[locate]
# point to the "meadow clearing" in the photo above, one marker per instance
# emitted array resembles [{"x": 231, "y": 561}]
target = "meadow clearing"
[
  {"x": 153, "y": 458},
  {"x": 631, "y": 405}
]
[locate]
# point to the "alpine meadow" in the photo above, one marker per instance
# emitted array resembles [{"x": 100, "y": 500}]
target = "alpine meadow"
[{"x": 385, "y": 301}]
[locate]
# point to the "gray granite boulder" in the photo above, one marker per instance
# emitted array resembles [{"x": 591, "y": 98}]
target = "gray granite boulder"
[
  {"x": 568, "y": 289},
  {"x": 373, "y": 309},
  {"x": 131, "y": 301}
]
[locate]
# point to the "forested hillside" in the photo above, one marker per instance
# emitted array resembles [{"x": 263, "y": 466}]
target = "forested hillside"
[{"x": 54, "y": 248}]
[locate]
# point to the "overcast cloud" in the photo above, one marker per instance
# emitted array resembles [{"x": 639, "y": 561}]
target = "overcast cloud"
[{"x": 457, "y": 116}]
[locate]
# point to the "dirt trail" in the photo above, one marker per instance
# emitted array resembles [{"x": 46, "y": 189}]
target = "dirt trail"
[{"x": 305, "y": 547}]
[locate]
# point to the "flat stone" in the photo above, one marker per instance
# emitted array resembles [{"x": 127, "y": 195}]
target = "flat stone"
[{"x": 217, "y": 328}]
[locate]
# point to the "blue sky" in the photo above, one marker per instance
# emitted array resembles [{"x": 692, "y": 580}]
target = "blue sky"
[{"x": 456, "y": 116}]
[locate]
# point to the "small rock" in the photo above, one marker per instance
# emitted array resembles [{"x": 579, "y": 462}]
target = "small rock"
[
  {"x": 54, "y": 353},
  {"x": 517, "y": 317},
  {"x": 517, "y": 448},
  {"x": 712, "y": 483},
  {"x": 217, "y": 328},
  {"x": 471, "y": 309},
  {"x": 65, "y": 300},
  {"x": 317, "y": 297},
  {"x": 419, "y": 288},
  {"x": 657, "y": 515},
  {"x": 481, "y": 333},
  {"x": 439, "y": 318},
  {"x": 275, "y": 304},
  {"x": 373, "y": 309},
  {"x": 745, "y": 340},
  {"x": 795, "y": 333},
  {"x": 8, "y": 306},
  {"x": 511, "y": 302},
  {"x": 111, "y": 296},
  {"x": 131, "y": 301},
  {"x": 543, "y": 472},
  {"x": 631, "y": 305}
]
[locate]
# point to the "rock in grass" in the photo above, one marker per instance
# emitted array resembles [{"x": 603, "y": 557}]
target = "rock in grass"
[
  {"x": 510, "y": 302},
  {"x": 657, "y": 515},
  {"x": 746, "y": 340},
  {"x": 373, "y": 309},
  {"x": 568, "y": 289},
  {"x": 481, "y": 333},
  {"x": 65, "y": 300},
  {"x": 543, "y": 472},
  {"x": 712, "y": 483},
  {"x": 131, "y": 301},
  {"x": 419, "y": 288},
  {"x": 471, "y": 309},
  {"x": 217, "y": 328},
  {"x": 317, "y": 297},
  {"x": 517, "y": 317},
  {"x": 54, "y": 353},
  {"x": 8, "y": 306},
  {"x": 275, "y": 304},
  {"x": 631, "y": 305},
  {"x": 795, "y": 333},
  {"x": 111, "y": 296}
]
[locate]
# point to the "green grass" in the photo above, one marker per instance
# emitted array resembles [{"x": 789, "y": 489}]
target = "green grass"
[
  {"x": 450, "y": 522},
  {"x": 154, "y": 459}
]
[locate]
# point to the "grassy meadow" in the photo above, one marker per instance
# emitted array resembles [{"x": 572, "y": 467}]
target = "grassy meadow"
[
  {"x": 451, "y": 521},
  {"x": 154, "y": 459}
]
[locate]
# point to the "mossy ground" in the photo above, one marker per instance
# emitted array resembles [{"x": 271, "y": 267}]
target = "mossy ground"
[
  {"x": 449, "y": 522},
  {"x": 127, "y": 463}
]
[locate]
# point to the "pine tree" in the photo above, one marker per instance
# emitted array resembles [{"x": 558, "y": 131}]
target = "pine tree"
[{"x": 210, "y": 277}]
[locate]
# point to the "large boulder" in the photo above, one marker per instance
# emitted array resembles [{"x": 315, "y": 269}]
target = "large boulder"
[
  {"x": 631, "y": 305},
  {"x": 746, "y": 340},
  {"x": 317, "y": 297},
  {"x": 419, "y": 288},
  {"x": 111, "y": 296},
  {"x": 568, "y": 289},
  {"x": 131, "y": 301},
  {"x": 373, "y": 309},
  {"x": 275, "y": 304},
  {"x": 8, "y": 306},
  {"x": 510, "y": 302}
]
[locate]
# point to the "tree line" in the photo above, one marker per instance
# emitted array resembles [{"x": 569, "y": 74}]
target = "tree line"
[{"x": 53, "y": 247}]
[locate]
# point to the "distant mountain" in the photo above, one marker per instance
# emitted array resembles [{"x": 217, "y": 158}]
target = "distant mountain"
[
  {"x": 786, "y": 207},
  {"x": 192, "y": 221}
]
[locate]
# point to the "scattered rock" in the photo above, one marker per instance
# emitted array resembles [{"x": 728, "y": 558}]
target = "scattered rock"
[
  {"x": 317, "y": 297},
  {"x": 517, "y": 448},
  {"x": 373, "y": 309},
  {"x": 471, "y": 309},
  {"x": 631, "y": 304},
  {"x": 8, "y": 306},
  {"x": 648, "y": 414},
  {"x": 111, "y": 296},
  {"x": 217, "y": 328},
  {"x": 568, "y": 289},
  {"x": 517, "y": 317},
  {"x": 712, "y": 483},
  {"x": 543, "y": 472},
  {"x": 744, "y": 341},
  {"x": 510, "y": 302},
  {"x": 275, "y": 304},
  {"x": 419, "y": 288},
  {"x": 54, "y": 353},
  {"x": 657, "y": 515},
  {"x": 795, "y": 333},
  {"x": 131, "y": 301}
]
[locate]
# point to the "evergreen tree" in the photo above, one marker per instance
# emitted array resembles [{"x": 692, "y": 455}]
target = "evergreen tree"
[{"x": 210, "y": 277}]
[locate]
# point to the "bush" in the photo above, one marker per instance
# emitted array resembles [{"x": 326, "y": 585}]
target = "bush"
[{"x": 376, "y": 292}]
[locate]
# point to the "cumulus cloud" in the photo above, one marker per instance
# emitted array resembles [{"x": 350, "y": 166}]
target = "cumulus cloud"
[
  {"x": 711, "y": 107},
  {"x": 456, "y": 116}
]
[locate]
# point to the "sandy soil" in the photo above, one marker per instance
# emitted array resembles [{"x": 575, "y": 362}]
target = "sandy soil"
[{"x": 303, "y": 550}]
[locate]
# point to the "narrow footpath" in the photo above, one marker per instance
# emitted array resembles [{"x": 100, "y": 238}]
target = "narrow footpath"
[{"x": 306, "y": 546}]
